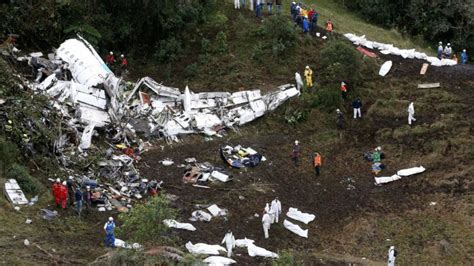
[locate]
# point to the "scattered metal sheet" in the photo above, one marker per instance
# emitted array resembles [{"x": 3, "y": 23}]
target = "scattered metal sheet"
[
  {"x": 14, "y": 193},
  {"x": 429, "y": 85},
  {"x": 424, "y": 68}
]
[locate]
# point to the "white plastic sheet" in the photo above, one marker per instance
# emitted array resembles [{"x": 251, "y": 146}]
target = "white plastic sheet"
[
  {"x": 201, "y": 248},
  {"x": 175, "y": 224},
  {"x": 411, "y": 171},
  {"x": 243, "y": 243},
  {"x": 297, "y": 215},
  {"x": 219, "y": 260},
  {"x": 254, "y": 251},
  {"x": 216, "y": 211},
  {"x": 295, "y": 229},
  {"x": 121, "y": 244},
  {"x": 200, "y": 216},
  {"x": 386, "y": 179}
]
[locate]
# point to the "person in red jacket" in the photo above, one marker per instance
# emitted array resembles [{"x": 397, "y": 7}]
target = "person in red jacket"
[
  {"x": 110, "y": 59},
  {"x": 63, "y": 195},
  {"x": 123, "y": 62},
  {"x": 56, "y": 188}
]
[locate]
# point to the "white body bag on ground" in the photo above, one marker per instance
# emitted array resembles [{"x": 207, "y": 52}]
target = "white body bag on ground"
[
  {"x": 175, "y": 224},
  {"x": 297, "y": 215},
  {"x": 295, "y": 229},
  {"x": 201, "y": 248}
]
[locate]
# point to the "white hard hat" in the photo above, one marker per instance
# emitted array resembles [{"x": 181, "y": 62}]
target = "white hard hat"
[
  {"x": 464, "y": 50},
  {"x": 88, "y": 187},
  {"x": 337, "y": 110},
  {"x": 440, "y": 43},
  {"x": 449, "y": 44},
  {"x": 122, "y": 55},
  {"x": 307, "y": 66},
  {"x": 70, "y": 177},
  {"x": 296, "y": 142},
  {"x": 111, "y": 52},
  {"x": 64, "y": 183},
  {"x": 111, "y": 219},
  {"x": 58, "y": 180},
  {"x": 379, "y": 148}
]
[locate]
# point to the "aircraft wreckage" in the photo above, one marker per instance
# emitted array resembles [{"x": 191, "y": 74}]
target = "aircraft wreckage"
[{"x": 81, "y": 83}]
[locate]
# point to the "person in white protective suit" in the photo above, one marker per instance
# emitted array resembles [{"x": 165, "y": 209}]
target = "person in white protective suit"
[
  {"x": 411, "y": 113},
  {"x": 392, "y": 255},
  {"x": 299, "y": 81},
  {"x": 237, "y": 4},
  {"x": 266, "y": 222},
  {"x": 229, "y": 241},
  {"x": 275, "y": 209}
]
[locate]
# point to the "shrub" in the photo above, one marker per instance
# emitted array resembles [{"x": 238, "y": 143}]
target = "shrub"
[
  {"x": 191, "y": 70},
  {"x": 285, "y": 258},
  {"x": 221, "y": 43},
  {"x": 296, "y": 116},
  {"x": 8, "y": 154},
  {"x": 340, "y": 62},
  {"x": 144, "y": 223},
  {"x": 168, "y": 50},
  {"x": 28, "y": 184},
  {"x": 326, "y": 98}
]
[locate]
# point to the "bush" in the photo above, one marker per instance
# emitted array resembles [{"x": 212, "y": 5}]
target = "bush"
[
  {"x": 191, "y": 70},
  {"x": 28, "y": 184},
  {"x": 326, "y": 98},
  {"x": 8, "y": 155},
  {"x": 286, "y": 258},
  {"x": 169, "y": 50},
  {"x": 296, "y": 116},
  {"x": 222, "y": 46},
  {"x": 340, "y": 62},
  {"x": 144, "y": 223}
]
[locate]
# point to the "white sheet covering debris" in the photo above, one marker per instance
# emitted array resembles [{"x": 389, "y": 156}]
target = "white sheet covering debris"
[
  {"x": 297, "y": 215},
  {"x": 295, "y": 228},
  {"x": 218, "y": 260},
  {"x": 201, "y": 248},
  {"x": 385, "y": 68},
  {"x": 14, "y": 193},
  {"x": 121, "y": 244},
  {"x": 390, "y": 49},
  {"x": 411, "y": 171},
  {"x": 386, "y": 179},
  {"x": 220, "y": 176},
  {"x": 243, "y": 243},
  {"x": 254, "y": 251},
  {"x": 175, "y": 224}
]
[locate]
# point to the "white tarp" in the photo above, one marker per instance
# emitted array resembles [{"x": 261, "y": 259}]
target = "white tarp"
[
  {"x": 386, "y": 179},
  {"x": 411, "y": 171},
  {"x": 87, "y": 68},
  {"x": 254, "y": 251},
  {"x": 297, "y": 215},
  {"x": 14, "y": 193},
  {"x": 243, "y": 243},
  {"x": 201, "y": 248},
  {"x": 220, "y": 176},
  {"x": 219, "y": 260},
  {"x": 295, "y": 228},
  {"x": 175, "y": 224}
]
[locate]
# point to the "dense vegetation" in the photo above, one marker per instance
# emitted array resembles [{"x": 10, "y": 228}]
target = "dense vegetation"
[{"x": 447, "y": 21}]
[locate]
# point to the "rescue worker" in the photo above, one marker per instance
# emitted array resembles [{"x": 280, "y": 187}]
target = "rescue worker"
[
  {"x": 317, "y": 163},
  {"x": 314, "y": 20},
  {"x": 70, "y": 190},
  {"x": 299, "y": 81},
  {"x": 392, "y": 255},
  {"x": 275, "y": 208},
  {"x": 305, "y": 25},
  {"x": 377, "y": 155},
  {"x": 356, "y": 105},
  {"x": 63, "y": 195},
  {"x": 56, "y": 189},
  {"x": 278, "y": 6},
  {"x": 229, "y": 241},
  {"x": 87, "y": 197},
  {"x": 78, "y": 197},
  {"x": 308, "y": 74},
  {"x": 411, "y": 112},
  {"x": 237, "y": 4},
  {"x": 109, "y": 228},
  {"x": 266, "y": 222},
  {"x": 270, "y": 6},
  {"x": 340, "y": 119},
  {"x": 110, "y": 59},
  {"x": 251, "y": 4},
  {"x": 329, "y": 27},
  {"x": 448, "y": 51},
  {"x": 293, "y": 11},
  {"x": 440, "y": 50},
  {"x": 296, "y": 152},
  {"x": 464, "y": 57},
  {"x": 9, "y": 126},
  {"x": 343, "y": 90},
  {"x": 123, "y": 62},
  {"x": 258, "y": 8},
  {"x": 266, "y": 209}
]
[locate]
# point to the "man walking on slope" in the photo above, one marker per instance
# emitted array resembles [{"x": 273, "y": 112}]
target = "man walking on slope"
[
  {"x": 237, "y": 4},
  {"x": 411, "y": 113},
  {"x": 440, "y": 50},
  {"x": 275, "y": 208},
  {"x": 109, "y": 228}
]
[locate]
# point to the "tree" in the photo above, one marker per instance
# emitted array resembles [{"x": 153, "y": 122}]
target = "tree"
[{"x": 340, "y": 62}]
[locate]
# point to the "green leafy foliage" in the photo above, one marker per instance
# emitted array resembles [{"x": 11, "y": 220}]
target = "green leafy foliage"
[
  {"x": 168, "y": 50},
  {"x": 221, "y": 43},
  {"x": 9, "y": 154},
  {"x": 28, "y": 184},
  {"x": 144, "y": 223},
  {"x": 296, "y": 116},
  {"x": 326, "y": 98},
  {"x": 87, "y": 31},
  {"x": 286, "y": 258},
  {"x": 340, "y": 62}
]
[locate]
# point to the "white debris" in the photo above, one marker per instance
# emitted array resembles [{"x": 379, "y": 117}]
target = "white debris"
[
  {"x": 14, "y": 193},
  {"x": 220, "y": 176},
  {"x": 121, "y": 244},
  {"x": 405, "y": 53},
  {"x": 216, "y": 211},
  {"x": 385, "y": 68},
  {"x": 201, "y": 248},
  {"x": 28, "y": 221},
  {"x": 386, "y": 179},
  {"x": 254, "y": 250},
  {"x": 167, "y": 162},
  {"x": 243, "y": 243},
  {"x": 86, "y": 138},
  {"x": 411, "y": 171},
  {"x": 175, "y": 224},
  {"x": 295, "y": 228},
  {"x": 297, "y": 215},
  {"x": 218, "y": 260},
  {"x": 26, "y": 242},
  {"x": 200, "y": 216}
]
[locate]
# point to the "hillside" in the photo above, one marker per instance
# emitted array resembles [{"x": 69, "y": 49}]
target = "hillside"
[{"x": 427, "y": 217}]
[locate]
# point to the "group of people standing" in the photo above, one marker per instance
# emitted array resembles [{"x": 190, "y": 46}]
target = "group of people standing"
[
  {"x": 296, "y": 153},
  {"x": 68, "y": 192},
  {"x": 116, "y": 65},
  {"x": 271, "y": 214},
  {"x": 259, "y": 6},
  {"x": 446, "y": 52}
]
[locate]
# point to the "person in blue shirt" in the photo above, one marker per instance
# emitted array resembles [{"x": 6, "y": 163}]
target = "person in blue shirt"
[
  {"x": 78, "y": 198},
  {"x": 109, "y": 228},
  {"x": 464, "y": 57},
  {"x": 305, "y": 25}
]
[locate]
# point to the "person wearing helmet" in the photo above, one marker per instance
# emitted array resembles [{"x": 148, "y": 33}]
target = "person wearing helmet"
[
  {"x": 448, "y": 51},
  {"x": 377, "y": 155},
  {"x": 343, "y": 90},
  {"x": 63, "y": 195},
  {"x": 411, "y": 113},
  {"x": 317, "y": 163},
  {"x": 70, "y": 189},
  {"x": 308, "y": 74},
  {"x": 295, "y": 155},
  {"x": 56, "y": 189},
  {"x": 339, "y": 119},
  {"x": 440, "y": 50},
  {"x": 464, "y": 57},
  {"x": 109, "y": 229},
  {"x": 87, "y": 197},
  {"x": 123, "y": 62},
  {"x": 110, "y": 59},
  {"x": 78, "y": 197}
]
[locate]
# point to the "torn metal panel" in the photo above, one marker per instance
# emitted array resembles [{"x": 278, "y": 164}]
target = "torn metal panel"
[
  {"x": 86, "y": 137},
  {"x": 92, "y": 115},
  {"x": 159, "y": 89},
  {"x": 14, "y": 193}
]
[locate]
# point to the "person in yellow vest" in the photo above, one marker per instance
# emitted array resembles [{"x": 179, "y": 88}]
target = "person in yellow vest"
[
  {"x": 308, "y": 74},
  {"x": 317, "y": 163}
]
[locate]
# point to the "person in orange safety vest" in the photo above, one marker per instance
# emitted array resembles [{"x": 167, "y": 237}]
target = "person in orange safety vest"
[{"x": 317, "y": 163}]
